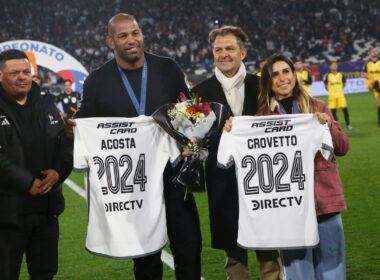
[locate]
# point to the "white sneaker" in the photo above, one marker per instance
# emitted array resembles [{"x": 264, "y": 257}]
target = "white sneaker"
[{"x": 349, "y": 127}]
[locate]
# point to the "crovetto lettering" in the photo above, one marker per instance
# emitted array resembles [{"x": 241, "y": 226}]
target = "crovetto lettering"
[{"x": 272, "y": 142}]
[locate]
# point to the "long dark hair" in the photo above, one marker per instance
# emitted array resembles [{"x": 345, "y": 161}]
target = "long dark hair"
[{"x": 304, "y": 100}]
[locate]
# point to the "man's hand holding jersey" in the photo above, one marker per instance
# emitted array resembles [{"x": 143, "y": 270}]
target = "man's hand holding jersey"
[
  {"x": 69, "y": 123},
  {"x": 228, "y": 125}
]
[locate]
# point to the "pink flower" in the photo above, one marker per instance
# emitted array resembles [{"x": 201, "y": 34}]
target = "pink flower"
[
  {"x": 182, "y": 97},
  {"x": 206, "y": 108},
  {"x": 198, "y": 105}
]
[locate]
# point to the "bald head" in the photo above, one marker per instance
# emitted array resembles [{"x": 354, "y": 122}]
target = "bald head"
[
  {"x": 126, "y": 40},
  {"x": 116, "y": 19}
]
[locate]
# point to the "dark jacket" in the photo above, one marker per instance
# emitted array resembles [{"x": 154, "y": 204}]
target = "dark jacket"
[
  {"x": 104, "y": 94},
  {"x": 15, "y": 179},
  {"x": 221, "y": 183}
]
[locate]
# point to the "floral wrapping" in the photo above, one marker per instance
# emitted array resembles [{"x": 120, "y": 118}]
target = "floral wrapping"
[{"x": 192, "y": 124}]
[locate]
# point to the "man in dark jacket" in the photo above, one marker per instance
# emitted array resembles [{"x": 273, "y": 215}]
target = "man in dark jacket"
[
  {"x": 34, "y": 161},
  {"x": 234, "y": 88},
  {"x": 132, "y": 84}
]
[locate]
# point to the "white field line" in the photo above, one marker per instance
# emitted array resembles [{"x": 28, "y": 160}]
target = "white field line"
[{"x": 165, "y": 256}]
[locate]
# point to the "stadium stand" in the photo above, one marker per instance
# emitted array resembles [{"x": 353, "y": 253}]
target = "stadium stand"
[{"x": 315, "y": 31}]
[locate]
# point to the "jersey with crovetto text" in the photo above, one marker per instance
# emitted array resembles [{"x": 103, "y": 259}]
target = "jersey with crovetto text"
[{"x": 274, "y": 160}]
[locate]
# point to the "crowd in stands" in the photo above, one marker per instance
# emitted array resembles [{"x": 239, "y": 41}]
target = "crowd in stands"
[{"x": 178, "y": 28}]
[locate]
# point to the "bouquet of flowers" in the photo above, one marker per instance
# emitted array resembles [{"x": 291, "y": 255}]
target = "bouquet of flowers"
[
  {"x": 193, "y": 119},
  {"x": 192, "y": 124}
]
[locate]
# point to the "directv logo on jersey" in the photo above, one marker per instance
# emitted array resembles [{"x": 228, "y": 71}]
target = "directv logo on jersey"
[
  {"x": 274, "y": 126},
  {"x": 276, "y": 202},
  {"x": 123, "y": 205}
]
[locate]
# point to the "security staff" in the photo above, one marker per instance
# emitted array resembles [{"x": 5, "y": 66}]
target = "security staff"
[{"x": 69, "y": 100}]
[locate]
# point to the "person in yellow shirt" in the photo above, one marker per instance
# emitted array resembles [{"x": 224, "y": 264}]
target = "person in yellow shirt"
[
  {"x": 303, "y": 76},
  {"x": 334, "y": 83},
  {"x": 261, "y": 65},
  {"x": 371, "y": 72}
]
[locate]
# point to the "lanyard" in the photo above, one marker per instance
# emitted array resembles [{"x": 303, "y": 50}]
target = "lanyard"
[
  {"x": 296, "y": 110},
  {"x": 140, "y": 108}
]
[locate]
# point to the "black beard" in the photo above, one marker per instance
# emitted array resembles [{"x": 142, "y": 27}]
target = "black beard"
[
  {"x": 18, "y": 95},
  {"x": 131, "y": 60}
]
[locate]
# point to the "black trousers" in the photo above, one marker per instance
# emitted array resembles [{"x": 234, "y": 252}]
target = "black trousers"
[
  {"x": 184, "y": 235},
  {"x": 38, "y": 239},
  {"x": 149, "y": 267}
]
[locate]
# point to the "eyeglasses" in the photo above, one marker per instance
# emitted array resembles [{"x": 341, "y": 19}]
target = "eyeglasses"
[{"x": 16, "y": 73}]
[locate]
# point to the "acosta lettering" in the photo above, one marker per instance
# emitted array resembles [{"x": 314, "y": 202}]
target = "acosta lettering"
[{"x": 114, "y": 144}]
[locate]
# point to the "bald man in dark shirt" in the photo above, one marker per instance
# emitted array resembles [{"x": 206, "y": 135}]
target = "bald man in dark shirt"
[{"x": 105, "y": 95}]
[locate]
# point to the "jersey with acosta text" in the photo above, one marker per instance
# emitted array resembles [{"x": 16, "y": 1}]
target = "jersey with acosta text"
[{"x": 124, "y": 159}]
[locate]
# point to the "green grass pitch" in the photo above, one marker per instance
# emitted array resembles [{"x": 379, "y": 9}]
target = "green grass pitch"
[{"x": 360, "y": 173}]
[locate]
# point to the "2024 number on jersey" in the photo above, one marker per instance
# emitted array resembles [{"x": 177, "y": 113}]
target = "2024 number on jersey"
[
  {"x": 111, "y": 167},
  {"x": 273, "y": 180}
]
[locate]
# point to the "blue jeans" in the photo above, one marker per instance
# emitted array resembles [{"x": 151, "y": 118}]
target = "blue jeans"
[{"x": 325, "y": 262}]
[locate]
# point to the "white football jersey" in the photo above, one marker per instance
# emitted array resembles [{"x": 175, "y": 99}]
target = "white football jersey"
[
  {"x": 124, "y": 160},
  {"x": 274, "y": 160}
]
